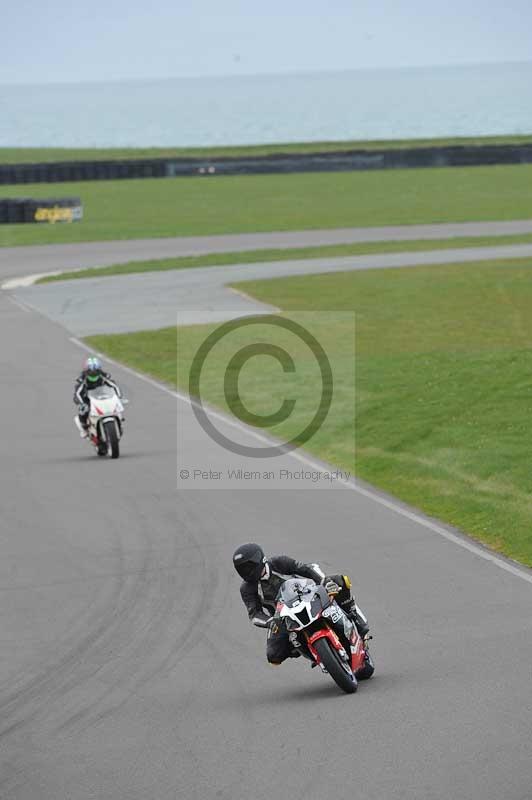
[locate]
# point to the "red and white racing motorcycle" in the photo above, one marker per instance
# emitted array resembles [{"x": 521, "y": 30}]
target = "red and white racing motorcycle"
[
  {"x": 106, "y": 421},
  {"x": 321, "y": 630}
]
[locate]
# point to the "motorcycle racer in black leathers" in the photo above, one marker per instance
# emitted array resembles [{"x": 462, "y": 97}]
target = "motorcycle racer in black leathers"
[
  {"x": 262, "y": 579},
  {"x": 91, "y": 377}
]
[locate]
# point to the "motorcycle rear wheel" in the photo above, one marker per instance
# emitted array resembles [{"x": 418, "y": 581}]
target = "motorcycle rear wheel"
[{"x": 333, "y": 664}]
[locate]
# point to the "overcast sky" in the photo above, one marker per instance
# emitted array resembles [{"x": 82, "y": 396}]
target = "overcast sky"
[{"x": 56, "y": 41}]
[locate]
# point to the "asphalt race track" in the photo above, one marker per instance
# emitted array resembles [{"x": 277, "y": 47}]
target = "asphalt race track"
[
  {"x": 128, "y": 669},
  {"x": 151, "y": 300},
  {"x": 16, "y": 261}
]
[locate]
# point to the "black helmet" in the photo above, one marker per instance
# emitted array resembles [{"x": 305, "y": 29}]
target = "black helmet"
[{"x": 249, "y": 560}]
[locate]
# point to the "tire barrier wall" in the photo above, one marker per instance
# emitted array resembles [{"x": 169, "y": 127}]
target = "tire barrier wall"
[
  {"x": 49, "y": 210},
  {"x": 346, "y": 160}
]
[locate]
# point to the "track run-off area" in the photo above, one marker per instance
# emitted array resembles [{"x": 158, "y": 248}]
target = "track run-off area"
[{"x": 128, "y": 668}]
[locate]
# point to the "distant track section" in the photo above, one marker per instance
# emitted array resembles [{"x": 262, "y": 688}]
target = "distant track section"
[{"x": 337, "y": 161}]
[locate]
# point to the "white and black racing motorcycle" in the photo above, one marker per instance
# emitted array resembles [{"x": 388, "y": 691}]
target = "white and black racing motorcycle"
[{"x": 106, "y": 421}]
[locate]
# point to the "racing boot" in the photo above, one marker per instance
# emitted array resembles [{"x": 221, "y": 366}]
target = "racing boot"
[
  {"x": 83, "y": 429},
  {"x": 369, "y": 667}
]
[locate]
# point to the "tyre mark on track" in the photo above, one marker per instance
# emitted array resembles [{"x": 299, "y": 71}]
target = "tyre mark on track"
[{"x": 131, "y": 641}]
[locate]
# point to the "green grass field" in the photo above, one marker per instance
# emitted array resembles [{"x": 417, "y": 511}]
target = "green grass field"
[
  {"x": 244, "y": 204},
  {"x": 261, "y": 256},
  {"x": 21, "y": 155},
  {"x": 443, "y": 390}
]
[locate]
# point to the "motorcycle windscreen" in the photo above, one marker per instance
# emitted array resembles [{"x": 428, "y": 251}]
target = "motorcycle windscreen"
[
  {"x": 294, "y": 590},
  {"x": 101, "y": 393}
]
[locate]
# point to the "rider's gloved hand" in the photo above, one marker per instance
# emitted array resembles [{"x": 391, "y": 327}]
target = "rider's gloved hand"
[
  {"x": 83, "y": 408},
  {"x": 331, "y": 587}
]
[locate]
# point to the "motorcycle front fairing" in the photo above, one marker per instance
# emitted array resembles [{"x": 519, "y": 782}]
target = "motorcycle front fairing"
[
  {"x": 105, "y": 404},
  {"x": 107, "y": 399},
  {"x": 309, "y": 613},
  {"x": 300, "y": 602}
]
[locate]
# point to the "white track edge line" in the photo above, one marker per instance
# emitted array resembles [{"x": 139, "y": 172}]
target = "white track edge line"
[
  {"x": 19, "y": 304},
  {"x": 350, "y": 484}
]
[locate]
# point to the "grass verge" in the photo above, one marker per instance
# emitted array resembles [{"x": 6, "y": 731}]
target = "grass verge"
[
  {"x": 252, "y": 204},
  {"x": 21, "y": 155},
  {"x": 262, "y": 256},
  {"x": 443, "y": 385}
]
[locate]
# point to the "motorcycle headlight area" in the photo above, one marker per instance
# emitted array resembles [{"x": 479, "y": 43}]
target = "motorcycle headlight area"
[
  {"x": 292, "y": 625},
  {"x": 301, "y": 614}
]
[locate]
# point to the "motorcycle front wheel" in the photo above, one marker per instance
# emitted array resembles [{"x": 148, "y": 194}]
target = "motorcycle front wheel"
[
  {"x": 112, "y": 438},
  {"x": 335, "y": 667}
]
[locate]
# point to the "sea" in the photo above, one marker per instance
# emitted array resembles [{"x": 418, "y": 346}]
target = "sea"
[{"x": 377, "y": 104}]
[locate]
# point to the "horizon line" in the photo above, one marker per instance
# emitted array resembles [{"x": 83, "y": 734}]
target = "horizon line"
[{"x": 285, "y": 73}]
